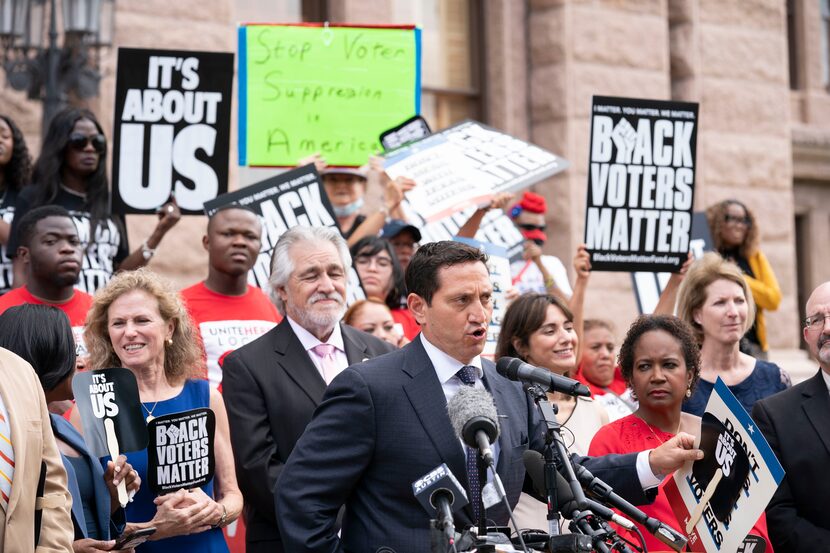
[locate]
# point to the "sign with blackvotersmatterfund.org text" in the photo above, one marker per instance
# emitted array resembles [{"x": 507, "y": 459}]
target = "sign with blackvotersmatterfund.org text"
[{"x": 641, "y": 182}]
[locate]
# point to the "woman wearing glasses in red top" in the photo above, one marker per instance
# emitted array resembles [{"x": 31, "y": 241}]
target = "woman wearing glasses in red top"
[
  {"x": 735, "y": 234},
  {"x": 72, "y": 172}
]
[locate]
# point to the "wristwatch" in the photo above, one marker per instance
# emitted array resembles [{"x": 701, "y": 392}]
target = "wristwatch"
[{"x": 147, "y": 252}]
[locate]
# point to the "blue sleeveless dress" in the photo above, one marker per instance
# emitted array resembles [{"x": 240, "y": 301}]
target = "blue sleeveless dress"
[{"x": 195, "y": 394}]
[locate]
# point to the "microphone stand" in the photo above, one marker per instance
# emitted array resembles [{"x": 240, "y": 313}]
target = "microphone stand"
[{"x": 555, "y": 449}]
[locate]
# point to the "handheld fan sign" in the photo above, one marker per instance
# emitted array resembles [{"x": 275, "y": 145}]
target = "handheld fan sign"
[
  {"x": 180, "y": 454},
  {"x": 110, "y": 409}
]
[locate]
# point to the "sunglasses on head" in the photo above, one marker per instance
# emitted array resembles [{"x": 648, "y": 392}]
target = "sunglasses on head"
[
  {"x": 78, "y": 141},
  {"x": 532, "y": 227}
]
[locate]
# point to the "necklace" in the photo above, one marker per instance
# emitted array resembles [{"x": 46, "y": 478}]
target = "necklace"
[
  {"x": 653, "y": 433},
  {"x": 150, "y": 416}
]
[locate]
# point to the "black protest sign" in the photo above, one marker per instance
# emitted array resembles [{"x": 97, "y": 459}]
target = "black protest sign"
[
  {"x": 107, "y": 397},
  {"x": 172, "y": 129},
  {"x": 293, "y": 198},
  {"x": 722, "y": 451},
  {"x": 641, "y": 182},
  {"x": 180, "y": 454},
  {"x": 414, "y": 128}
]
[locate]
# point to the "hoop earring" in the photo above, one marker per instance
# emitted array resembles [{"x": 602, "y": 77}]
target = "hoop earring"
[{"x": 634, "y": 395}]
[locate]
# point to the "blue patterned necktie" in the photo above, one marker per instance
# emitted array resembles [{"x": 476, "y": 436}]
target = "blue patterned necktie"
[{"x": 467, "y": 375}]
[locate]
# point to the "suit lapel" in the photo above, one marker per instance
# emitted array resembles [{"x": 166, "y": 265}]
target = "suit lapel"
[
  {"x": 504, "y": 408},
  {"x": 355, "y": 348},
  {"x": 20, "y": 440},
  {"x": 427, "y": 398},
  {"x": 295, "y": 362},
  {"x": 817, "y": 407}
]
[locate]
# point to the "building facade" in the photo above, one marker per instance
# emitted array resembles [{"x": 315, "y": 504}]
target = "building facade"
[{"x": 758, "y": 68}]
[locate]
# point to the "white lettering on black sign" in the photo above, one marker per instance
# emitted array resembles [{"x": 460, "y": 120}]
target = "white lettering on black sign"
[{"x": 181, "y": 450}]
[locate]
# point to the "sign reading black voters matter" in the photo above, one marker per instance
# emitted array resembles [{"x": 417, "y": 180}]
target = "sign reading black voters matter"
[
  {"x": 180, "y": 454},
  {"x": 172, "y": 129},
  {"x": 641, "y": 182}
]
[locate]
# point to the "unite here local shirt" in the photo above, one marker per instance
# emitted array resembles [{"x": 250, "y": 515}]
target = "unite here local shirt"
[
  {"x": 75, "y": 308},
  {"x": 226, "y": 323}
]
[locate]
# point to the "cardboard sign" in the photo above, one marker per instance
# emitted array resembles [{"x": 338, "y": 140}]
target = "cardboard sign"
[
  {"x": 110, "y": 394},
  {"x": 641, "y": 182},
  {"x": 411, "y": 130},
  {"x": 172, "y": 129},
  {"x": 330, "y": 89},
  {"x": 496, "y": 228},
  {"x": 749, "y": 475},
  {"x": 293, "y": 198},
  {"x": 180, "y": 454},
  {"x": 464, "y": 165},
  {"x": 649, "y": 286},
  {"x": 499, "y": 267}
]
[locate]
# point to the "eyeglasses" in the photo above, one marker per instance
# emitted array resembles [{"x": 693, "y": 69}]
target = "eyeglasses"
[
  {"x": 78, "y": 141},
  {"x": 526, "y": 226},
  {"x": 738, "y": 220},
  {"x": 366, "y": 260},
  {"x": 816, "y": 322}
]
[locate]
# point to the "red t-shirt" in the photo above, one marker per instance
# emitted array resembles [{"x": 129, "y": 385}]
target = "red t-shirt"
[
  {"x": 228, "y": 322},
  {"x": 411, "y": 328},
  {"x": 75, "y": 308},
  {"x": 618, "y": 385},
  {"x": 632, "y": 434}
]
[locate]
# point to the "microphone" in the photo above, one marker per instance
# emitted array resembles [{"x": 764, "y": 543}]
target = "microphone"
[
  {"x": 440, "y": 494},
  {"x": 516, "y": 369},
  {"x": 474, "y": 418},
  {"x": 602, "y": 491},
  {"x": 535, "y": 467}
]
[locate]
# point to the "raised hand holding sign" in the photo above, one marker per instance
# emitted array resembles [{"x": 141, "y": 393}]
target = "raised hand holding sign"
[{"x": 110, "y": 409}]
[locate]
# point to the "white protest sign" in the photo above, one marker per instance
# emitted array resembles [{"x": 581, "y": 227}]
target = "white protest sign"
[{"x": 722, "y": 529}]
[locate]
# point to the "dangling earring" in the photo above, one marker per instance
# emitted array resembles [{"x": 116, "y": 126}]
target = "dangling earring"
[
  {"x": 689, "y": 391},
  {"x": 169, "y": 342}
]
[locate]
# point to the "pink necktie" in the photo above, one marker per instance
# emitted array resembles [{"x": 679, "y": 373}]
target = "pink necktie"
[{"x": 327, "y": 361}]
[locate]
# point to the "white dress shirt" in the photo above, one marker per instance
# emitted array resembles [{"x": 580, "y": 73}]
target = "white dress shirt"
[{"x": 309, "y": 341}]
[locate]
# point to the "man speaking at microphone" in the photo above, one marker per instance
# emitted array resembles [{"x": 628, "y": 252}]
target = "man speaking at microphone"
[{"x": 383, "y": 424}]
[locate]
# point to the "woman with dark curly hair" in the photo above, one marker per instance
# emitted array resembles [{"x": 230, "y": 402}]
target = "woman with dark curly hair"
[
  {"x": 660, "y": 361},
  {"x": 735, "y": 234},
  {"x": 72, "y": 172},
  {"x": 15, "y": 171}
]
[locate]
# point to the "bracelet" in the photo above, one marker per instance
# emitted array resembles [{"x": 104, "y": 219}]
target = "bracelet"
[
  {"x": 549, "y": 282},
  {"x": 222, "y": 519}
]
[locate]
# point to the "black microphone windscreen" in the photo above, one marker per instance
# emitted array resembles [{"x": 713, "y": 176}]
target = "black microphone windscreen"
[
  {"x": 508, "y": 367},
  {"x": 473, "y": 403},
  {"x": 535, "y": 467}
]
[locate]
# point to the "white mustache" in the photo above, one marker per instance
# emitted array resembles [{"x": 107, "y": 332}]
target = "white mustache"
[{"x": 332, "y": 296}]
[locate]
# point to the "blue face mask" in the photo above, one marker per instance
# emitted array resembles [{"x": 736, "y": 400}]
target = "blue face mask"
[{"x": 349, "y": 209}]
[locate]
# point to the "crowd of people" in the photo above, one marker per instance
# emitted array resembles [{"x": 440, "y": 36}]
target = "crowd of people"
[{"x": 326, "y": 413}]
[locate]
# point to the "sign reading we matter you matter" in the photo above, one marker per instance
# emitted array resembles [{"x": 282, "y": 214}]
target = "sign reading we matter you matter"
[
  {"x": 641, "y": 182},
  {"x": 172, "y": 129},
  {"x": 330, "y": 89}
]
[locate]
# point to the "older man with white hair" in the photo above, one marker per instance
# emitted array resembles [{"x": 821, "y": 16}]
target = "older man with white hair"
[{"x": 273, "y": 384}]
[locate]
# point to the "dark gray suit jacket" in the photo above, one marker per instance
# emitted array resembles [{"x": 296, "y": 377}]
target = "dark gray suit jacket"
[
  {"x": 796, "y": 423},
  {"x": 382, "y": 425},
  {"x": 271, "y": 388}
]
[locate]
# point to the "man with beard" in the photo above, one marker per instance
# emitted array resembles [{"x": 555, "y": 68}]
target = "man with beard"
[
  {"x": 796, "y": 423},
  {"x": 50, "y": 253},
  {"x": 273, "y": 385},
  {"x": 227, "y": 310}
]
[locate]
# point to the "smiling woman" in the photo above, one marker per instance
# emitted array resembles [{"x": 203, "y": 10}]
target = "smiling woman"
[
  {"x": 138, "y": 322},
  {"x": 539, "y": 329}
]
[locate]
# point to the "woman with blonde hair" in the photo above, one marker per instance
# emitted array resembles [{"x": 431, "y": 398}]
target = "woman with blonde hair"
[
  {"x": 735, "y": 234},
  {"x": 715, "y": 300},
  {"x": 137, "y": 321}
]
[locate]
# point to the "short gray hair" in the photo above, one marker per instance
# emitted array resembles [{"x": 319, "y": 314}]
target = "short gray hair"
[{"x": 282, "y": 266}]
